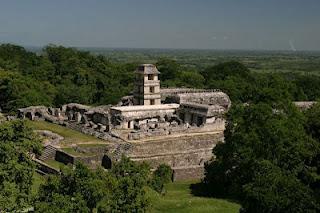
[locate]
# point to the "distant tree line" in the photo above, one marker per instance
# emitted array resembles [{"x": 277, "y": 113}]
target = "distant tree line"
[
  {"x": 60, "y": 75},
  {"x": 241, "y": 84}
]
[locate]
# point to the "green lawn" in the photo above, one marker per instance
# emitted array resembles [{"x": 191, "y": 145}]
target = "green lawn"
[
  {"x": 55, "y": 164},
  {"x": 37, "y": 181},
  {"x": 179, "y": 199},
  {"x": 70, "y": 136}
]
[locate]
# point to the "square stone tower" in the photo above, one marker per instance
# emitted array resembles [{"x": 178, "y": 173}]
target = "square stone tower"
[{"x": 147, "y": 88}]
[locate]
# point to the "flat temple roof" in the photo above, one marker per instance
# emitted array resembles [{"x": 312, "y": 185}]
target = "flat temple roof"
[{"x": 146, "y": 107}]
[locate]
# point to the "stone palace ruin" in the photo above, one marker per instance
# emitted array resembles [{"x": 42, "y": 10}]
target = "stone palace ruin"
[{"x": 177, "y": 126}]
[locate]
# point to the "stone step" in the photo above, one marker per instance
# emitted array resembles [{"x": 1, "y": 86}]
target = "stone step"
[{"x": 49, "y": 152}]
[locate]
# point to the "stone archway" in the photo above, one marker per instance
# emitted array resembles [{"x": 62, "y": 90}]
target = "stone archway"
[
  {"x": 38, "y": 115},
  {"x": 106, "y": 162},
  {"x": 29, "y": 115}
]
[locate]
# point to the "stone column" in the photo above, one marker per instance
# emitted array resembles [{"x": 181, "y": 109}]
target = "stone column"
[
  {"x": 187, "y": 118},
  {"x": 131, "y": 124},
  {"x": 78, "y": 117}
]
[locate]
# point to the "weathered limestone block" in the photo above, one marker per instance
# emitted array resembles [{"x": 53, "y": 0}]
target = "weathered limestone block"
[
  {"x": 163, "y": 125},
  {"x": 134, "y": 136},
  {"x": 152, "y": 125},
  {"x": 177, "y": 129},
  {"x": 174, "y": 123},
  {"x": 154, "y": 120},
  {"x": 143, "y": 127},
  {"x": 102, "y": 128},
  {"x": 156, "y": 132},
  {"x": 142, "y": 122},
  {"x": 93, "y": 125}
]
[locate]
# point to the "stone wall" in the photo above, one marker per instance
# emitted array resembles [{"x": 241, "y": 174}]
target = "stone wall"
[
  {"x": 209, "y": 98},
  {"x": 92, "y": 161},
  {"x": 45, "y": 168},
  {"x": 64, "y": 157},
  {"x": 188, "y": 173},
  {"x": 186, "y": 154},
  {"x": 168, "y": 92}
]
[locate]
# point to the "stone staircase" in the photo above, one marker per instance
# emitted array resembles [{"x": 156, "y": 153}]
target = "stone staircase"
[{"x": 49, "y": 152}]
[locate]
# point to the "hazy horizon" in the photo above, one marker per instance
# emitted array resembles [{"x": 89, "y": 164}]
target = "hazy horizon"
[{"x": 287, "y": 25}]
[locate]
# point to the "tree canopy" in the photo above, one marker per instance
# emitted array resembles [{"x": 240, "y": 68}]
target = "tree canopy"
[
  {"x": 60, "y": 75},
  {"x": 17, "y": 142},
  {"x": 122, "y": 189},
  {"x": 267, "y": 160}
]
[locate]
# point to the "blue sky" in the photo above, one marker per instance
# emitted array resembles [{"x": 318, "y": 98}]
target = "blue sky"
[{"x": 201, "y": 24}]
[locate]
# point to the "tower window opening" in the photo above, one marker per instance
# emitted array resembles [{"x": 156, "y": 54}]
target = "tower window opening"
[
  {"x": 150, "y": 77},
  {"x": 151, "y": 89},
  {"x": 152, "y": 102}
]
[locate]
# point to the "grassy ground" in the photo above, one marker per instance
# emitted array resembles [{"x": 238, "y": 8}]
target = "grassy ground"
[
  {"x": 54, "y": 164},
  {"x": 70, "y": 136},
  {"x": 179, "y": 199},
  {"x": 73, "y": 152},
  {"x": 37, "y": 181}
]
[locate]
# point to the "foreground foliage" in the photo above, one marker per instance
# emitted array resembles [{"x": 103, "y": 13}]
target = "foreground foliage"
[
  {"x": 77, "y": 189},
  {"x": 161, "y": 176},
  {"x": 17, "y": 141},
  {"x": 82, "y": 190},
  {"x": 268, "y": 161}
]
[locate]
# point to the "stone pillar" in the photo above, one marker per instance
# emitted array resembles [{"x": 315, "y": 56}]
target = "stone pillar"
[
  {"x": 187, "y": 118},
  {"x": 124, "y": 124},
  {"x": 69, "y": 115},
  {"x": 78, "y": 117},
  {"x": 194, "y": 119},
  {"x": 131, "y": 124},
  {"x": 57, "y": 113},
  {"x": 64, "y": 108},
  {"x": 157, "y": 101}
]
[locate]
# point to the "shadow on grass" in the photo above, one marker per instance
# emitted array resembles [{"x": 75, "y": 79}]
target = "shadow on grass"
[
  {"x": 200, "y": 190},
  {"x": 203, "y": 190}
]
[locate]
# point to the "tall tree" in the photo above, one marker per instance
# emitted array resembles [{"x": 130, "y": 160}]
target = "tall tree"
[
  {"x": 17, "y": 141},
  {"x": 265, "y": 160}
]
